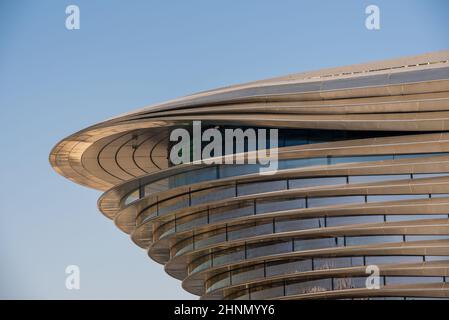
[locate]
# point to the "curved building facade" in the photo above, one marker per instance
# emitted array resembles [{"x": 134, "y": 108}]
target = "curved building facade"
[{"x": 362, "y": 180}]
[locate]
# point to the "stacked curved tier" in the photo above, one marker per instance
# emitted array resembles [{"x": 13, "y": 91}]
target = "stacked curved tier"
[{"x": 364, "y": 181}]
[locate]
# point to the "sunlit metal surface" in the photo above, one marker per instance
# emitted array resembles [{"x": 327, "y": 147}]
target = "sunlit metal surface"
[{"x": 308, "y": 231}]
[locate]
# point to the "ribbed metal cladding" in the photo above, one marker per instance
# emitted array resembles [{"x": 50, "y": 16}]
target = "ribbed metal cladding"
[{"x": 368, "y": 185}]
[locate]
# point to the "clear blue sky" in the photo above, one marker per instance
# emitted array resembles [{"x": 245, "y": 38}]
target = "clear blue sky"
[{"x": 126, "y": 55}]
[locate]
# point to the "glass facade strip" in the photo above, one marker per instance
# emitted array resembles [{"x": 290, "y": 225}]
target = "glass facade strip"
[
  {"x": 259, "y": 187},
  {"x": 226, "y": 171},
  {"x": 211, "y": 195},
  {"x": 378, "y": 260},
  {"x": 409, "y": 217},
  {"x": 408, "y": 280},
  {"x": 293, "y": 287},
  {"x": 247, "y": 274},
  {"x": 245, "y": 231},
  {"x": 328, "y": 201},
  {"x": 395, "y": 197},
  {"x": 441, "y": 195},
  {"x": 348, "y": 220},
  {"x": 426, "y": 237},
  {"x": 279, "y": 205},
  {"x": 241, "y": 209},
  {"x": 355, "y": 241},
  {"x": 285, "y": 224},
  {"x": 173, "y": 204},
  {"x": 285, "y": 267},
  {"x": 189, "y": 222},
  {"x": 284, "y": 246},
  {"x": 262, "y": 271},
  {"x": 378, "y": 178},
  {"x": 430, "y": 175},
  {"x": 255, "y": 250}
]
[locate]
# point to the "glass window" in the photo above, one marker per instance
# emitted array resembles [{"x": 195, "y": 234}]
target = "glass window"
[
  {"x": 147, "y": 214},
  {"x": 267, "y": 292},
  {"x": 355, "y": 241},
  {"x": 191, "y": 220},
  {"x": 173, "y": 204},
  {"x": 227, "y": 256},
  {"x": 194, "y": 176},
  {"x": 232, "y": 170},
  {"x": 391, "y": 280},
  {"x": 230, "y": 212},
  {"x": 248, "y": 273},
  {"x": 213, "y": 194},
  {"x": 424, "y": 298},
  {"x": 435, "y": 258},
  {"x": 336, "y": 160},
  {"x": 218, "y": 281},
  {"x": 395, "y": 197},
  {"x": 299, "y": 163},
  {"x": 279, "y": 205},
  {"x": 426, "y": 237},
  {"x": 308, "y": 286},
  {"x": 258, "y": 250},
  {"x": 241, "y": 295},
  {"x": 429, "y": 175},
  {"x": 182, "y": 247},
  {"x": 348, "y": 220},
  {"x": 328, "y": 201},
  {"x": 312, "y": 244},
  {"x": 349, "y": 283},
  {"x": 209, "y": 238},
  {"x": 286, "y": 267},
  {"x": 260, "y": 187},
  {"x": 177, "y": 180},
  {"x": 200, "y": 264},
  {"x": 419, "y": 155},
  {"x": 155, "y": 187},
  {"x": 314, "y": 182},
  {"x": 440, "y": 195},
  {"x": 340, "y": 262},
  {"x": 393, "y": 259},
  {"x": 284, "y": 225},
  {"x": 249, "y": 230},
  {"x": 391, "y": 218},
  {"x": 377, "y": 178},
  {"x": 133, "y": 196},
  {"x": 165, "y": 229}
]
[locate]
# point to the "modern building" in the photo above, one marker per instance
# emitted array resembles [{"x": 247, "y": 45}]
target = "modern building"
[{"x": 363, "y": 180}]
